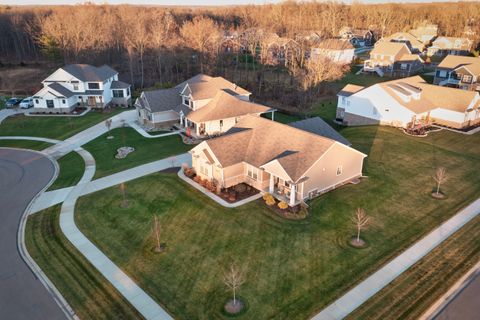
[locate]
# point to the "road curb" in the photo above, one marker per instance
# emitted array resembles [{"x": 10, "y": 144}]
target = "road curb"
[
  {"x": 22, "y": 249},
  {"x": 451, "y": 294}
]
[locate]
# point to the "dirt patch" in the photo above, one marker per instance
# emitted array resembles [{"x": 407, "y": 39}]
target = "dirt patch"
[{"x": 234, "y": 307}]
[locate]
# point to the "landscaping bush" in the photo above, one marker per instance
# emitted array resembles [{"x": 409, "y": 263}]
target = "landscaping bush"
[
  {"x": 211, "y": 186},
  {"x": 269, "y": 199},
  {"x": 197, "y": 179},
  {"x": 203, "y": 182},
  {"x": 282, "y": 205},
  {"x": 189, "y": 172}
]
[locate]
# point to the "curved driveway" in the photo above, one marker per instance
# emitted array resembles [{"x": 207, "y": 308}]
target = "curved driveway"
[{"x": 22, "y": 296}]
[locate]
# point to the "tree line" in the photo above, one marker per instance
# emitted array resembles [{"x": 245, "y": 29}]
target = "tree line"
[{"x": 162, "y": 46}]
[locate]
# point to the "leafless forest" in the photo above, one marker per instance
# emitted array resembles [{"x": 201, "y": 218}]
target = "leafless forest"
[{"x": 158, "y": 46}]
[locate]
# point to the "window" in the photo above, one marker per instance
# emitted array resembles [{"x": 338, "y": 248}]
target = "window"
[
  {"x": 117, "y": 93},
  {"x": 252, "y": 172},
  {"x": 185, "y": 101},
  {"x": 93, "y": 86},
  {"x": 36, "y": 101},
  {"x": 339, "y": 170},
  {"x": 467, "y": 78},
  {"x": 128, "y": 92},
  {"x": 403, "y": 66},
  {"x": 63, "y": 101},
  {"x": 50, "y": 104},
  {"x": 344, "y": 99},
  {"x": 191, "y": 104},
  {"x": 75, "y": 86}
]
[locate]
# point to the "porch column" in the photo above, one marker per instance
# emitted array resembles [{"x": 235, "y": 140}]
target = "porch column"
[
  {"x": 293, "y": 193},
  {"x": 273, "y": 115},
  {"x": 272, "y": 185}
]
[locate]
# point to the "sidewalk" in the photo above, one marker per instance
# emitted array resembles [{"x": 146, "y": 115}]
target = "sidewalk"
[
  {"x": 5, "y": 113},
  {"x": 126, "y": 286},
  {"x": 351, "y": 300},
  {"x": 50, "y": 198},
  {"x": 145, "y": 134}
]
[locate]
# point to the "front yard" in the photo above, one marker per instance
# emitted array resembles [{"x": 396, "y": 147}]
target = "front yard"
[{"x": 294, "y": 268}]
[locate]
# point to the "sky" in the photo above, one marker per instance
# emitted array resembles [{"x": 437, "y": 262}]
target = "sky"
[{"x": 173, "y": 2}]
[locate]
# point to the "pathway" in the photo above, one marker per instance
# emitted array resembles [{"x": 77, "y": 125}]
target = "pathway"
[
  {"x": 5, "y": 113},
  {"x": 145, "y": 134},
  {"x": 356, "y": 296},
  {"x": 50, "y": 198},
  {"x": 126, "y": 286}
]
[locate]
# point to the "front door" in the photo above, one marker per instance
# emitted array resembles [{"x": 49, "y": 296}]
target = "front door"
[
  {"x": 49, "y": 103},
  {"x": 91, "y": 101}
]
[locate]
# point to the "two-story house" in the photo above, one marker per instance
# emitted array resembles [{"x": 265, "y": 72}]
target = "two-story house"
[
  {"x": 459, "y": 72},
  {"x": 393, "y": 59},
  {"x": 81, "y": 85},
  {"x": 413, "y": 44},
  {"x": 425, "y": 33},
  {"x": 339, "y": 51},
  {"x": 443, "y": 46},
  {"x": 204, "y": 105},
  {"x": 358, "y": 37}
]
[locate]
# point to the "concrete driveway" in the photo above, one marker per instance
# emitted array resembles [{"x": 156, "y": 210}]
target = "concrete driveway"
[{"x": 22, "y": 296}]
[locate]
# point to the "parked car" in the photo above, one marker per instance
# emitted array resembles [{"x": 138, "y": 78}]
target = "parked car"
[
  {"x": 26, "y": 103},
  {"x": 12, "y": 102}
]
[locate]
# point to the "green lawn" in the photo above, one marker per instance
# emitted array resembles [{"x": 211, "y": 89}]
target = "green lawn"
[
  {"x": 419, "y": 287},
  {"x": 283, "y": 117},
  {"x": 72, "y": 167},
  {"x": 294, "y": 268},
  {"x": 146, "y": 150},
  {"x": 86, "y": 290},
  {"x": 24, "y": 144},
  {"x": 54, "y": 127}
]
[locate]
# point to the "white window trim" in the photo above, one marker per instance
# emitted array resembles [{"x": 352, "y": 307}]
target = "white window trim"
[{"x": 253, "y": 170}]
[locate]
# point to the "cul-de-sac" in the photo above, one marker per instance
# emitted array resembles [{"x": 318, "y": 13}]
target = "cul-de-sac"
[{"x": 239, "y": 159}]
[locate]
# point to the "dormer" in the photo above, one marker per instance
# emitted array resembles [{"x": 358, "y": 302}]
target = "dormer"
[{"x": 415, "y": 92}]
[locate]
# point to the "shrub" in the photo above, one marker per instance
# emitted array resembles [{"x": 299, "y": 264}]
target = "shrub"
[
  {"x": 211, "y": 186},
  {"x": 203, "y": 183},
  {"x": 189, "y": 172},
  {"x": 267, "y": 196},
  {"x": 270, "y": 201},
  {"x": 197, "y": 179},
  {"x": 240, "y": 188},
  {"x": 282, "y": 205}
]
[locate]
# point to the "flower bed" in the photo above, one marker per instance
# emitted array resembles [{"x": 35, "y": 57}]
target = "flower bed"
[{"x": 282, "y": 209}]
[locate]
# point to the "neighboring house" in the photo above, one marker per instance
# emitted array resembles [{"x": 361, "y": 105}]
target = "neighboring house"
[
  {"x": 338, "y": 51},
  {"x": 410, "y": 40},
  {"x": 443, "y": 46},
  {"x": 206, "y": 105},
  {"x": 459, "y": 72},
  {"x": 291, "y": 164},
  {"x": 407, "y": 102},
  {"x": 230, "y": 42},
  {"x": 425, "y": 33},
  {"x": 308, "y": 37},
  {"x": 81, "y": 85},
  {"x": 358, "y": 37},
  {"x": 393, "y": 59},
  {"x": 278, "y": 50}
]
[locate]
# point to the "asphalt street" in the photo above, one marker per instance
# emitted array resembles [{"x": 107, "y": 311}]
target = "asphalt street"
[
  {"x": 466, "y": 305},
  {"x": 22, "y": 296}
]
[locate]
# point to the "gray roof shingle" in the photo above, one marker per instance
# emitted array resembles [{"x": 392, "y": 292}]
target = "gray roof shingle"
[
  {"x": 318, "y": 126},
  {"x": 86, "y": 72},
  {"x": 61, "y": 89},
  {"x": 119, "y": 85}
]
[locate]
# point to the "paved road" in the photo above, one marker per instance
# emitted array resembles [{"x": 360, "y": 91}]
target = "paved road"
[
  {"x": 22, "y": 175},
  {"x": 466, "y": 305}
]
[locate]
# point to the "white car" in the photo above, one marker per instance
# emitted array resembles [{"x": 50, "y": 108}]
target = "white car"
[{"x": 26, "y": 103}]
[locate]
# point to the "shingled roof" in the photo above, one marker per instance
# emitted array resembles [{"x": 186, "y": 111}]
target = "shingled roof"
[
  {"x": 317, "y": 126},
  {"x": 258, "y": 141},
  {"x": 86, "y": 72},
  {"x": 225, "y": 105}
]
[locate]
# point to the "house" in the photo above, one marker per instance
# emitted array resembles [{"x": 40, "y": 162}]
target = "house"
[
  {"x": 410, "y": 40},
  {"x": 459, "y": 72},
  {"x": 443, "y": 46},
  {"x": 407, "y": 102},
  {"x": 425, "y": 33},
  {"x": 278, "y": 50},
  {"x": 203, "y": 104},
  {"x": 393, "y": 59},
  {"x": 338, "y": 51},
  {"x": 230, "y": 42},
  {"x": 81, "y": 85},
  {"x": 292, "y": 164},
  {"x": 358, "y": 37}
]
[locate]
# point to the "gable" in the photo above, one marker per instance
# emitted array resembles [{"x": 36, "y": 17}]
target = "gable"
[
  {"x": 60, "y": 75},
  {"x": 276, "y": 169}
]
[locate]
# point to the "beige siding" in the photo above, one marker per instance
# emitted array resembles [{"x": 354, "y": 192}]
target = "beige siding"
[
  {"x": 213, "y": 127},
  {"x": 323, "y": 174}
]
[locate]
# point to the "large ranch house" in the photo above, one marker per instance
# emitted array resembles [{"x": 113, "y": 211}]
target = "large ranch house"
[
  {"x": 407, "y": 102},
  {"x": 204, "y": 105},
  {"x": 81, "y": 85},
  {"x": 292, "y": 164}
]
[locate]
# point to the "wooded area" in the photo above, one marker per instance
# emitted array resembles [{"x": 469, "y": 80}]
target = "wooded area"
[{"x": 158, "y": 46}]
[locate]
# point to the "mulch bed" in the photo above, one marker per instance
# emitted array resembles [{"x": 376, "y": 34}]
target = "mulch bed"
[
  {"x": 234, "y": 308},
  {"x": 357, "y": 244},
  {"x": 226, "y": 194}
]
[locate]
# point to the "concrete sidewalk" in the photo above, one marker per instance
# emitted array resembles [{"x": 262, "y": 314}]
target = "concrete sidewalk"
[
  {"x": 145, "y": 134},
  {"x": 351, "y": 300},
  {"x": 126, "y": 286},
  {"x": 87, "y": 135},
  {"x": 5, "y": 113},
  {"x": 48, "y": 199}
]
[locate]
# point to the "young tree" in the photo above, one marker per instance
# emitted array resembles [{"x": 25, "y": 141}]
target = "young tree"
[
  {"x": 108, "y": 124},
  {"x": 156, "y": 232},
  {"x": 233, "y": 279},
  {"x": 440, "y": 177},
  {"x": 361, "y": 220},
  {"x": 123, "y": 190},
  {"x": 172, "y": 161}
]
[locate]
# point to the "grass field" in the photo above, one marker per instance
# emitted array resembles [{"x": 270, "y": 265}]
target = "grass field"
[
  {"x": 86, "y": 290},
  {"x": 293, "y": 268},
  {"x": 419, "y": 287},
  {"x": 24, "y": 144},
  {"x": 54, "y": 127},
  {"x": 146, "y": 150},
  {"x": 72, "y": 167}
]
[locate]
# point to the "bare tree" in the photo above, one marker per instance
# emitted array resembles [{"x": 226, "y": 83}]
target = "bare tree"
[
  {"x": 156, "y": 232},
  {"x": 108, "y": 124},
  {"x": 440, "y": 177},
  {"x": 172, "y": 160},
  {"x": 123, "y": 190},
  {"x": 361, "y": 220},
  {"x": 233, "y": 279}
]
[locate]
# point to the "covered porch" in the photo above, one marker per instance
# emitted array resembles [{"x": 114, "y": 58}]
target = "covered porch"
[{"x": 285, "y": 190}]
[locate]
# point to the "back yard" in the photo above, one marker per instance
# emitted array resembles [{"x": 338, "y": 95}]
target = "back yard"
[{"x": 293, "y": 268}]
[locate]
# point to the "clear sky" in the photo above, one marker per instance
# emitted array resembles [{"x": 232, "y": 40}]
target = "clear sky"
[{"x": 173, "y": 2}]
